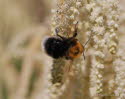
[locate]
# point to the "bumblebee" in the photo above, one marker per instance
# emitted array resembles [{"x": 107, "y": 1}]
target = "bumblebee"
[{"x": 58, "y": 46}]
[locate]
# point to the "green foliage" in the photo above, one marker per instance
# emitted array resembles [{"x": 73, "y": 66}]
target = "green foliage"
[{"x": 17, "y": 63}]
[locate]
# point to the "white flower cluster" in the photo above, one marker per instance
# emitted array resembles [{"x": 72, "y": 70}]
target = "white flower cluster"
[
  {"x": 120, "y": 75},
  {"x": 90, "y": 6},
  {"x": 96, "y": 78},
  {"x": 103, "y": 26},
  {"x": 65, "y": 16},
  {"x": 56, "y": 91},
  {"x": 112, "y": 16},
  {"x": 97, "y": 28},
  {"x": 99, "y": 54},
  {"x": 95, "y": 13}
]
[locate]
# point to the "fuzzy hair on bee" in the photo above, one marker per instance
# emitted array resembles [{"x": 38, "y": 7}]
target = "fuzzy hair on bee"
[
  {"x": 55, "y": 47},
  {"x": 58, "y": 46}
]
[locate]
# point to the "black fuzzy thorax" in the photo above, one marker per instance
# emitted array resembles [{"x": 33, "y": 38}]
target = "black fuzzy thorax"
[{"x": 57, "y": 47}]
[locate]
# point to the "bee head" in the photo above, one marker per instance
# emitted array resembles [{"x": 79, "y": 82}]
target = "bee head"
[{"x": 75, "y": 50}]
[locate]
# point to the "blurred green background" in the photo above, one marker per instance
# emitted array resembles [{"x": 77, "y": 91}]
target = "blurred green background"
[{"x": 23, "y": 24}]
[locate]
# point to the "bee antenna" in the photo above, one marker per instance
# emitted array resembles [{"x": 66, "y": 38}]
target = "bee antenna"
[
  {"x": 87, "y": 41},
  {"x": 86, "y": 44}
]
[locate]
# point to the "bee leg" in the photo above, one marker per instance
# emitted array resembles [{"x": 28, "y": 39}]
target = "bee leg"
[
  {"x": 56, "y": 30},
  {"x": 75, "y": 33},
  {"x": 76, "y": 29}
]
